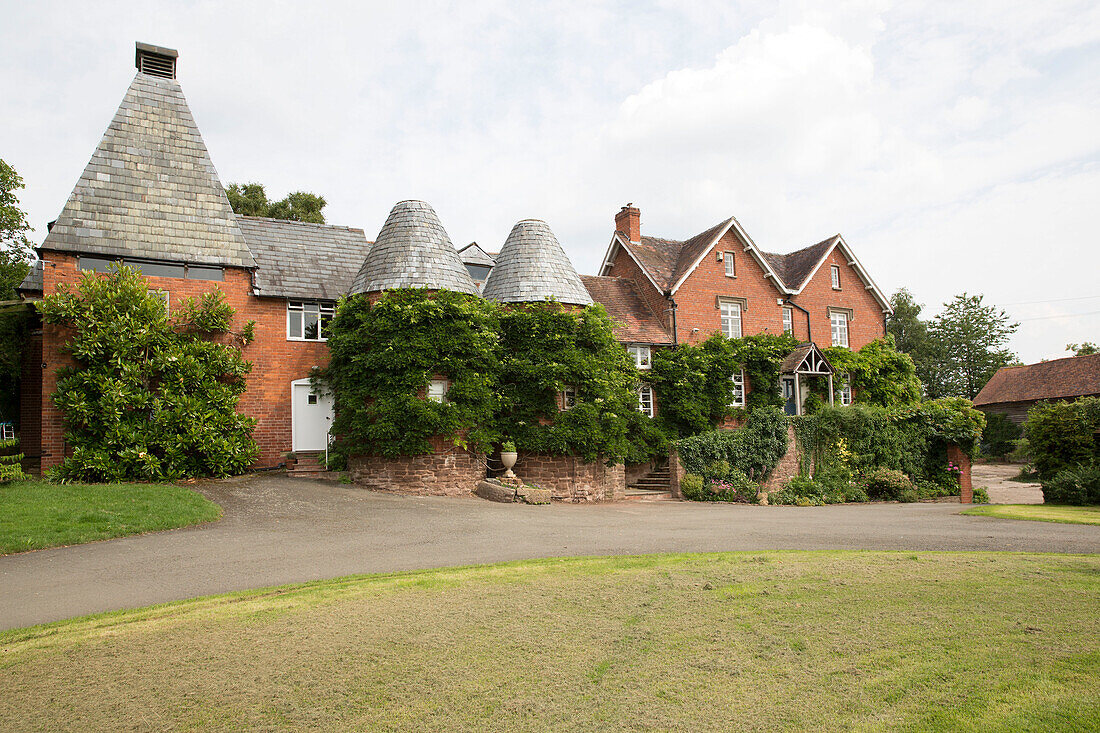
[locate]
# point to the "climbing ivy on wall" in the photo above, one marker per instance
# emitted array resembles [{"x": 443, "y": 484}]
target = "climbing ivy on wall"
[
  {"x": 547, "y": 348},
  {"x": 879, "y": 374},
  {"x": 385, "y": 354},
  {"x": 694, "y": 384},
  {"x": 149, "y": 397}
]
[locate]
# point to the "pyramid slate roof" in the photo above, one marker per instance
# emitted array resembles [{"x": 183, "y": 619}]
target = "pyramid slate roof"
[
  {"x": 150, "y": 189},
  {"x": 413, "y": 250},
  {"x": 32, "y": 283},
  {"x": 533, "y": 267},
  {"x": 297, "y": 259}
]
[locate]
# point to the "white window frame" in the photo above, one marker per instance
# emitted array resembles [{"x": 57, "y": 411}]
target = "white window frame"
[
  {"x": 437, "y": 390},
  {"x": 738, "y": 389},
  {"x": 569, "y": 397},
  {"x": 845, "y": 390},
  {"x": 642, "y": 355},
  {"x": 788, "y": 319},
  {"x": 838, "y": 327},
  {"x": 297, "y": 310},
  {"x": 731, "y": 318},
  {"x": 834, "y": 274},
  {"x": 731, "y": 264},
  {"x": 645, "y": 400},
  {"x": 165, "y": 297}
]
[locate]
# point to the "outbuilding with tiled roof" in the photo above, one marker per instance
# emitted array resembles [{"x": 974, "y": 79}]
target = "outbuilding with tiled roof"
[{"x": 1013, "y": 390}]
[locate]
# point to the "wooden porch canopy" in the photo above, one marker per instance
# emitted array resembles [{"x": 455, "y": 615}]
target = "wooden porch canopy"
[{"x": 807, "y": 360}]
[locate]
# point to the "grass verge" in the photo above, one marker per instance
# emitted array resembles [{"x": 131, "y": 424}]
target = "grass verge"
[
  {"x": 37, "y": 514},
  {"x": 1040, "y": 513},
  {"x": 735, "y": 641}
]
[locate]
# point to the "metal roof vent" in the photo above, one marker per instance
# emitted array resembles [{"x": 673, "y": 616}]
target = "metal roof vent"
[{"x": 156, "y": 61}]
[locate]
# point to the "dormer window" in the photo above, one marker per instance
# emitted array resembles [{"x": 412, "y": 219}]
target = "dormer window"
[
  {"x": 640, "y": 355},
  {"x": 835, "y": 274}
]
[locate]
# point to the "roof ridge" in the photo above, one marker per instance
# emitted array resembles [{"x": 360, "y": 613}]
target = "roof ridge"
[{"x": 303, "y": 223}]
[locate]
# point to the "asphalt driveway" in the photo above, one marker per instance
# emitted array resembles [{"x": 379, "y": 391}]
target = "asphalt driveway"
[{"x": 281, "y": 530}]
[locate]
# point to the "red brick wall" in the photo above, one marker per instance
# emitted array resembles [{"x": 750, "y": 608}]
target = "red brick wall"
[
  {"x": 818, "y": 295},
  {"x": 276, "y": 361},
  {"x": 571, "y": 479},
  {"x": 695, "y": 300}
]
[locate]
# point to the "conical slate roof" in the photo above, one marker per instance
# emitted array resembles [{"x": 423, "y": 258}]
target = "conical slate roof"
[
  {"x": 413, "y": 251},
  {"x": 150, "y": 189},
  {"x": 532, "y": 267}
]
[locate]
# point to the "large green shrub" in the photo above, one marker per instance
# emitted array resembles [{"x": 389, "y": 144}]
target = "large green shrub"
[
  {"x": 1079, "y": 484},
  {"x": 1000, "y": 435},
  {"x": 886, "y": 484},
  {"x": 754, "y": 449},
  {"x": 547, "y": 348},
  {"x": 1062, "y": 435},
  {"x": 150, "y": 397},
  {"x": 385, "y": 354},
  {"x": 736, "y": 487}
]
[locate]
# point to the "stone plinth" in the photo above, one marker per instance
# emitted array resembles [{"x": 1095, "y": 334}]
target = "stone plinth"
[{"x": 447, "y": 471}]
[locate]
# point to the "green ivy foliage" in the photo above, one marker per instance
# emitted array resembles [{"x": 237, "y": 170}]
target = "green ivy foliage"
[
  {"x": 10, "y": 466},
  {"x": 913, "y": 440},
  {"x": 694, "y": 384},
  {"x": 879, "y": 374},
  {"x": 547, "y": 348},
  {"x": 753, "y": 450},
  {"x": 385, "y": 354},
  {"x": 150, "y": 397}
]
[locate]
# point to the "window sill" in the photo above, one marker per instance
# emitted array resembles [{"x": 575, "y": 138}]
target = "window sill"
[{"x": 306, "y": 341}]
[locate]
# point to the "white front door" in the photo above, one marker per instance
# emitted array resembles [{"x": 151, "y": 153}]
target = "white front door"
[{"x": 311, "y": 416}]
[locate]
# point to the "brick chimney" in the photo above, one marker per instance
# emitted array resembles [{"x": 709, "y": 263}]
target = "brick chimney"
[{"x": 629, "y": 222}]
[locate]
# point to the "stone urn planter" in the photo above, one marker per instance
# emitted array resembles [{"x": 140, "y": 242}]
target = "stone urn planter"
[{"x": 508, "y": 458}]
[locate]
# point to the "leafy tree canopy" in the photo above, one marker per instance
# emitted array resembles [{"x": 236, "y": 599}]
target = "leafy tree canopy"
[
  {"x": 150, "y": 397},
  {"x": 1083, "y": 349},
  {"x": 972, "y": 338},
  {"x": 250, "y": 199},
  {"x": 15, "y": 250}
]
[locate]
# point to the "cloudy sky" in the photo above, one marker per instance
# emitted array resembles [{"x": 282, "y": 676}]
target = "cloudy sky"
[{"x": 955, "y": 145}]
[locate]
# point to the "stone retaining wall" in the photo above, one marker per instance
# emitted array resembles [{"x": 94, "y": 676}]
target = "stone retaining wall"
[
  {"x": 447, "y": 471},
  {"x": 571, "y": 478}
]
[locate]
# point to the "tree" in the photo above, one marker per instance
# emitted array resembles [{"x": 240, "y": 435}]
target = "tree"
[
  {"x": 250, "y": 199},
  {"x": 15, "y": 250},
  {"x": 1086, "y": 348},
  {"x": 149, "y": 397},
  {"x": 969, "y": 340}
]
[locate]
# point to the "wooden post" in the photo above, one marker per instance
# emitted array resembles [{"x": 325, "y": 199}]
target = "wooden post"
[{"x": 956, "y": 455}]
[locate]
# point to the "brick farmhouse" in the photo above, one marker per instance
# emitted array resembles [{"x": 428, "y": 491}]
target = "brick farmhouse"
[{"x": 151, "y": 198}]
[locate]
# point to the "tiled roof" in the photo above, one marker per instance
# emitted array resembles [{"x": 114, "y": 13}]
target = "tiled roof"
[
  {"x": 795, "y": 268},
  {"x": 150, "y": 190},
  {"x": 668, "y": 260},
  {"x": 635, "y": 322},
  {"x": 33, "y": 281},
  {"x": 1073, "y": 376},
  {"x": 412, "y": 250},
  {"x": 532, "y": 267},
  {"x": 300, "y": 260},
  {"x": 473, "y": 254},
  {"x": 792, "y": 361}
]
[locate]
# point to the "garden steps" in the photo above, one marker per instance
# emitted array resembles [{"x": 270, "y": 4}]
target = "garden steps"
[
  {"x": 659, "y": 479},
  {"x": 648, "y": 495},
  {"x": 308, "y": 464}
]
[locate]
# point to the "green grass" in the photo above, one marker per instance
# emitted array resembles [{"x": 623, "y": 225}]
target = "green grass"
[
  {"x": 738, "y": 641},
  {"x": 36, "y": 514},
  {"x": 1040, "y": 513}
]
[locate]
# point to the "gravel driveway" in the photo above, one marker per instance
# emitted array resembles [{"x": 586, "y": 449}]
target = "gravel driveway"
[
  {"x": 281, "y": 530},
  {"x": 995, "y": 477}
]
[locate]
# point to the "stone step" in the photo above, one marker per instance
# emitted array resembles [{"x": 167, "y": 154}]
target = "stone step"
[{"x": 644, "y": 495}]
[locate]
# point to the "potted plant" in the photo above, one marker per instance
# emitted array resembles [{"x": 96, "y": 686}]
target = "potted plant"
[{"x": 508, "y": 457}]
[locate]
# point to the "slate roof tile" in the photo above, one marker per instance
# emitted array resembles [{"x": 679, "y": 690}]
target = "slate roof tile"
[{"x": 533, "y": 267}]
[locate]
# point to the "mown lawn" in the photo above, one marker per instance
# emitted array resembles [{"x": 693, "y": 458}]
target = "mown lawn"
[
  {"x": 738, "y": 641},
  {"x": 37, "y": 514},
  {"x": 1040, "y": 513}
]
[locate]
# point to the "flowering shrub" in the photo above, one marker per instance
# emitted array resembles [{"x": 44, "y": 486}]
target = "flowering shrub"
[{"x": 735, "y": 488}]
